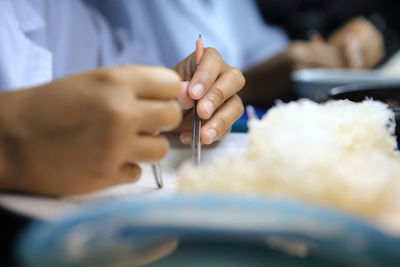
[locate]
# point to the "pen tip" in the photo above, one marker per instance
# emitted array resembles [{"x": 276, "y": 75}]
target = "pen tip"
[{"x": 200, "y": 36}]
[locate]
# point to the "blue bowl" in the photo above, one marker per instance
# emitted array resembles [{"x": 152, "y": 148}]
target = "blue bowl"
[{"x": 208, "y": 231}]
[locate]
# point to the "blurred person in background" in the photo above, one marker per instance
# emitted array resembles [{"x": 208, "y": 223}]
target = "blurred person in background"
[{"x": 263, "y": 51}]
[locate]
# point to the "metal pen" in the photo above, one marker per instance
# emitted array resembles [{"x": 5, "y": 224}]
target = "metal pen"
[
  {"x": 156, "y": 169},
  {"x": 196, "y": 121}
]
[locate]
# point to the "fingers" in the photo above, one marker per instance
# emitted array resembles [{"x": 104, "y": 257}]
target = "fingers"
[
  {"x": 222, "y": 120},
  {"x": 157, "y": 116},
  {"x": 317, "y": 39},
  {"x": 129, "y": 172},
  {"x": 315, "y": 55},
  {"x": 225, "y": 134},
  {"x": 156, "y": 82},
  {"x": 148, "y": 148},
  {"x": 220, "y": 124},
  {"x": 353, "y": 52},
  {"x": 361, "y": 43},
  {"x": 186, "y": 124},
  {"x": 372, "y": 44},
  {"x": 146, "y": 82},
  {"x": 227, "y": 85},
  {"x": 326, "y": 56},
  {"x": 211, "y": 66},
  {"x": 186, "y": 137},
  {"x": 215, "y": 85},
  {"x": 183, "y": 97},
  {"x": 374, "y": 54}
]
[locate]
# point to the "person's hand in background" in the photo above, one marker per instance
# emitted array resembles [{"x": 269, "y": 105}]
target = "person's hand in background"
[
  {"x": 314, "y": 54},
  {"x": 360, "y": 42},
  {"x": 271, "y": 79},
  {"x": 214, "y": 84},
  {"x": 86, "y": 132}
]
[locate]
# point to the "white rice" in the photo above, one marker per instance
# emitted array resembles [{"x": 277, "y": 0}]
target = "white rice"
[{"x": 340, "y": 154}]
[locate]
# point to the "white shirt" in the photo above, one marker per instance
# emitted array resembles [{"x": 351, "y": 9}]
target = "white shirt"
[
  {"x": 169, "y": 29},
  {"x": 46, "y": 39}
]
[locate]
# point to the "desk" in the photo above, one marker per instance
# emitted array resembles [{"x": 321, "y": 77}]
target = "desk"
[{"x": 45, "y": 208}]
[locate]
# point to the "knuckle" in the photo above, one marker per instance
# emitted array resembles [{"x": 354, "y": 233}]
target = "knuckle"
[
  {"x": 108, "y": 76},
  {"x": 217, "y": 96},
  {"x": 239, "y": 107},
  {"x": 176, "y": 114},
  {"x": 239, "y": 77},
  {"x": 222, "y": 136},
  {"x": 212, "y": 52},
  {"x": 206, "y": 72},
  {"x": 116, "y": 112},
  {"x": 171, "y": 115},
  {"x": 133, "y": 172},
  {"x": 160, "y": 149},
  {"x": 220, "y": 126}
]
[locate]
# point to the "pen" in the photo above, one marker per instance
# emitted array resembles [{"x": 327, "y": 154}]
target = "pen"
[{"x": 196, "y": 122}]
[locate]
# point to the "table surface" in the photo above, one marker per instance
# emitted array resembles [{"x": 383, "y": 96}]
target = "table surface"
[{"x": 46, "y": 208}]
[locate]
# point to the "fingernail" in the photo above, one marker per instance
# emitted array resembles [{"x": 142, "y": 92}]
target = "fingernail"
[
  {"x": 197, "y": 90},
  {"x": 208, "y": 106},
  {"x": 186, "y": 138},
  {"x": 212, "y": 134}
]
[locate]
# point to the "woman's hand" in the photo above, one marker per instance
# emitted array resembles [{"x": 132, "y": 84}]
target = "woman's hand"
[{"x": 215, "y": 85}]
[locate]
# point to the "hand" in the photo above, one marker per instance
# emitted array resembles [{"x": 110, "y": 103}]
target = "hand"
[
  {"x": 214, "y": 84},
  {"x": 360, "y": 42},
  {"x": 314, "y": 54},
  {"x": 87, "y": 132}
]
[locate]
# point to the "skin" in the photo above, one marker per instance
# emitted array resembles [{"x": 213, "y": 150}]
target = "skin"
[
  {"x": 215, "y": 85},
  {"x": 358, "y": 44},
  {"x": 272, "y": 79},
  {"x": 89, "y": 131}
]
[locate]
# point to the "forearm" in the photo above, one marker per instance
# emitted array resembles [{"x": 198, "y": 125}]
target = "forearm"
[
  {"x": 268, "y": 81},
  {"x": 9, "y": 138}
]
